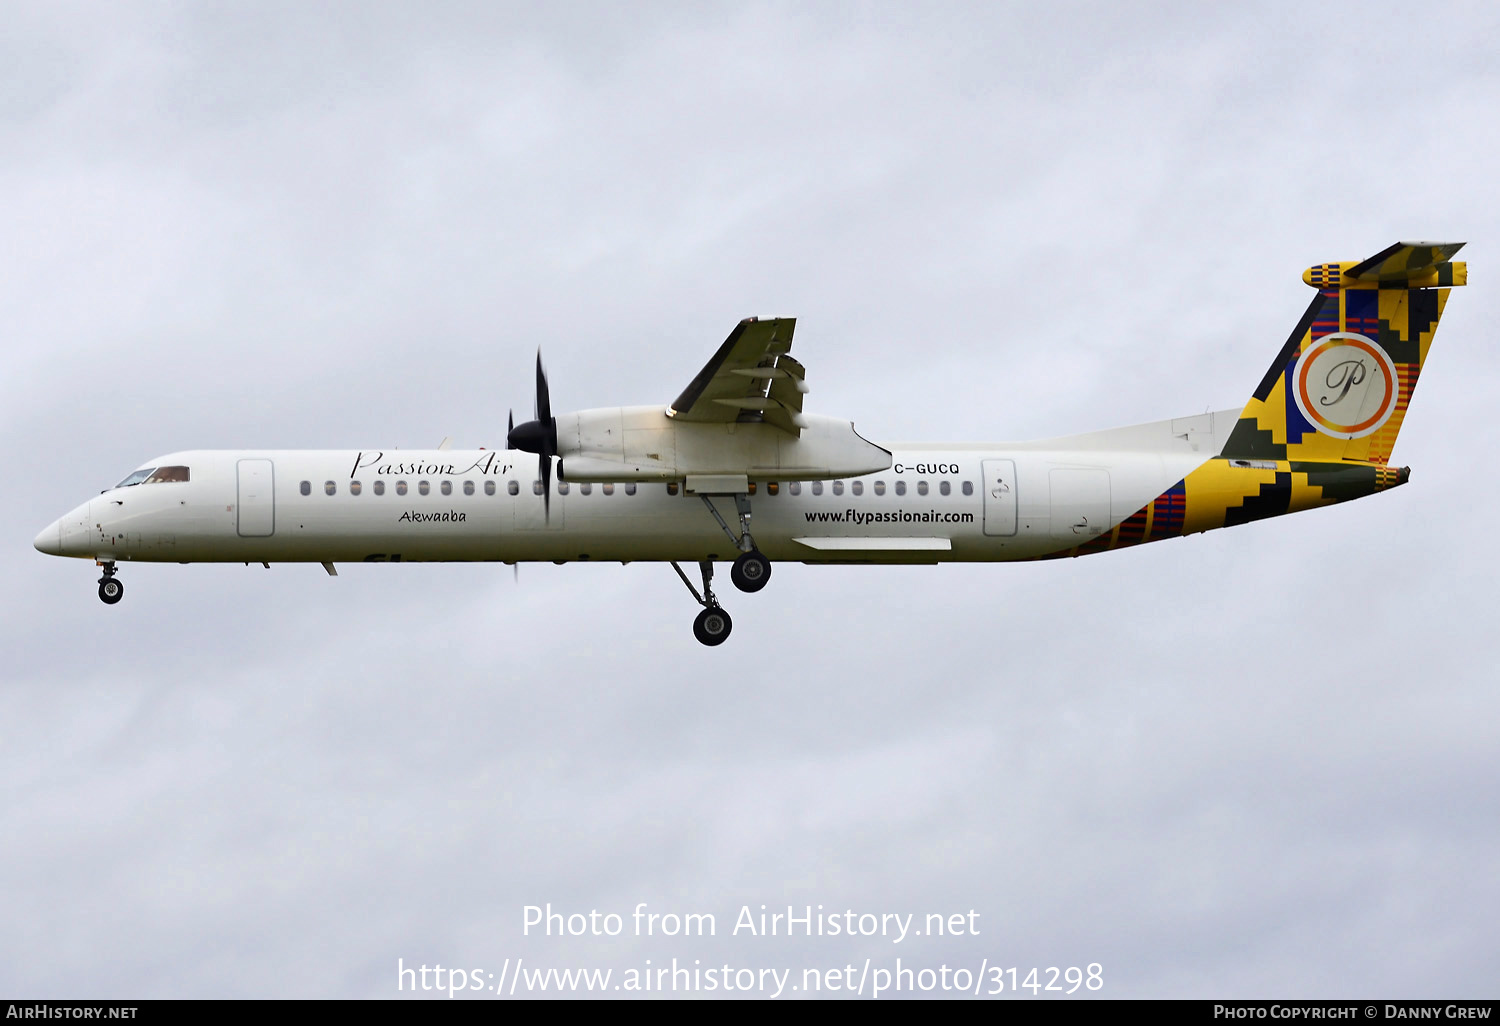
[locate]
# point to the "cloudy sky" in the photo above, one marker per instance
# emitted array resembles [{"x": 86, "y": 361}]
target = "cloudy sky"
[{"x": 1258, "y": 762}]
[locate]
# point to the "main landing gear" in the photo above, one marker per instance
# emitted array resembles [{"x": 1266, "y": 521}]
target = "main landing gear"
[
  {"x": 110, "y": 590},
  {"x": 713, "y": 624},
  {"x": 750, "y": 572}
]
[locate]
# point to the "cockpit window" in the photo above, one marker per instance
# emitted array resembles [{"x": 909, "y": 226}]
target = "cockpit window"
[
  {"x": 155, "y": 475},
  {"x": 136, "y": 478}
]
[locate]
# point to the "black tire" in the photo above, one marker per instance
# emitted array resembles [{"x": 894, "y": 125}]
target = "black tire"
[
  {"x": 110, "y": 590},
  {"x": 751, "y": 571},
  {"x": 712, "y": 626}
]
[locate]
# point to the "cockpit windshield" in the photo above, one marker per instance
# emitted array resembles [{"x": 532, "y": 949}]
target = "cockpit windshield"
[
  {"x": 136, "y": 478},
  {"x": 155, "y": 475}
]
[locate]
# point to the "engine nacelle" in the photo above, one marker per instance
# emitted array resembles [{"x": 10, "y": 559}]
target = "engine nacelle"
[{"x": 642, "y": 443}]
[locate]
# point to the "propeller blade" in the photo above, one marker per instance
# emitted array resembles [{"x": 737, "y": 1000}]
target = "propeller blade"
[
  {"x": 543, "y": 397},
  {"x": 548, "y": 447},
  {"x": 538, "y": 436},
  {"x": 510, "y": 425},
  {"x": 544, "y": 467}
]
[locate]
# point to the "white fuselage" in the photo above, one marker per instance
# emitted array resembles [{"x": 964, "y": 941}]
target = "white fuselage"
[{"x": 935, "y": 503}]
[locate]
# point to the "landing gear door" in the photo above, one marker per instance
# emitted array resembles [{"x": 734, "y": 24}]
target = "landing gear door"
[
  {"x": 999, "y": 497},
  {"x": 256, "y": 505}
]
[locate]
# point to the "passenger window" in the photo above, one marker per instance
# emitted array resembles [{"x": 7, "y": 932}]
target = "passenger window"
[
  {"x": 354, "y": 487},
  {"x": 400, "y": 487},
  {"x": 587, "y": 488},
  {"x": 562, "y": 488},
  {"x": 921, "y": 487},
  {"x": 379, "y": 487},
  {"x": 423, "y": 487},
  {"x": 630, "y": 488},
  {"x": 879, "y": 487},
  {"x": 945, "y": 488},
  {"x": 536, "y": 486},
  {"x": 446, "y": 487},
  {"x": 329, "y": 487},
  {"x": 900, "y": 487},
  {"x": 608, "y": 488},
  {"x": 306, "y": 488},
  {"x": 164, "y": 474},
  {"x": 750, "y": 488},
  {"x": 795, "y": 487},
  {"x": 857, "y": 487},
  {"x": 468, "y": 487},
  {"x": 968, "y": 488},
  {"x": 772, "y": 488},
  {"x": 817, "y": 488},
  {"x": 838, "y": 488},
  {"x": 671, "y": 487}
]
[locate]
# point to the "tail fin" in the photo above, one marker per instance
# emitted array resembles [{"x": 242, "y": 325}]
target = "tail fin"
[{"x": 1340, "y": 386}]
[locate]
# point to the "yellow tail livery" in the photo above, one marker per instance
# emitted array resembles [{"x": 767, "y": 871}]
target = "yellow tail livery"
[{"x": 1320, "y": 426}]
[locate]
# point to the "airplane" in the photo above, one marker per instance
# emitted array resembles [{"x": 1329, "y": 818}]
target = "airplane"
[{"x": 677, "y": 483}]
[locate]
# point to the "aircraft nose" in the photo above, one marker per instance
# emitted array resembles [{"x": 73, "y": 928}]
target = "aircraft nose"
[{"x": 50, "y": 540}]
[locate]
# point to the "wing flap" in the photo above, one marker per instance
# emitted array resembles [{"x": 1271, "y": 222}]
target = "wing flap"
[
  {"x": 785, "y": 395},
  {"x": 750, "y": 377}
]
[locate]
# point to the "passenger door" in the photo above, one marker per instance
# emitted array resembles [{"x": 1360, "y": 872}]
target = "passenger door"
[
  {"x": 256, "y": 504},
  {"x": 999, "y": 486}
]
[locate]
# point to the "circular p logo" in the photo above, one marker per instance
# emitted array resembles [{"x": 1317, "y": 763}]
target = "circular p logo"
[{"x": 1345, "y": 384}]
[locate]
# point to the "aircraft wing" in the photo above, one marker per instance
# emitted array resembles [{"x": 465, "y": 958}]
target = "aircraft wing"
[{"x": 750, "y": 378}]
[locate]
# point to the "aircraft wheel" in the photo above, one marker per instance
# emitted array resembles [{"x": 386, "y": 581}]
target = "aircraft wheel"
[
  {"x": 712, "y": 626},
  {"x": 110, "y": 591},
  {"x": 751, "y": 571}
]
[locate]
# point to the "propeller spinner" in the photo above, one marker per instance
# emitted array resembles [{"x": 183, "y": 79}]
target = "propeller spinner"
[{"x": 538, "y": 436}]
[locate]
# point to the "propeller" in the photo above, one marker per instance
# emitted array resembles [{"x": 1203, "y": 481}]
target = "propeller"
[{"x": 538, "y": 436}]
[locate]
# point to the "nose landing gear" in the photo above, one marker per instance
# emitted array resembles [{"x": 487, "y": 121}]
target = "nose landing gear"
[{"x": 110, "y": 590}]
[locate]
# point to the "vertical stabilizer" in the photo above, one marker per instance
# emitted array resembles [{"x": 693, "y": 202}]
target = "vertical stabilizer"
[{"x": 1339, "y": 388}]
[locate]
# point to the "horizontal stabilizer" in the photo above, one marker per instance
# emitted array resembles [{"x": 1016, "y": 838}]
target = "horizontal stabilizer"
[
  {"x": 1404, "y": 265},
  {"x": 1404, "y": 261}
]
